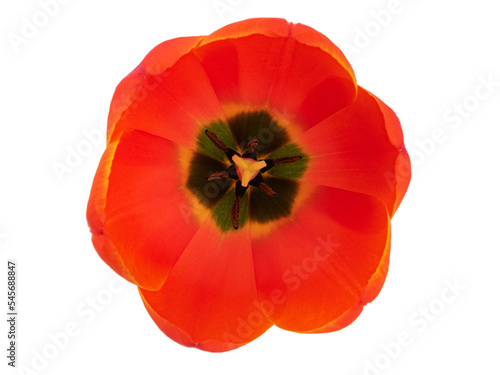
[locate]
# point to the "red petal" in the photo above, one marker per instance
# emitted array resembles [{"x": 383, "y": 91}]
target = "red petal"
[
  {"x": 314, "y": 79},
  {"x": 324, "y": 262},
  {"x": 371, "y": 291},
  {"x": 242, "y": 59},
  {"x": 140, "y": 217},
  {"x": 96, "y": 218},
  {"x": 302, "y": 76},
  {"x": 360, "y": 148},
  {"x": 210, "y": 300},
  {"x": 167, "y": 95}
]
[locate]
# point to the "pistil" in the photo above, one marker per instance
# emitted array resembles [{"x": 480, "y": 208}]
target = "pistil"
[{"x": 247, "y": 168}]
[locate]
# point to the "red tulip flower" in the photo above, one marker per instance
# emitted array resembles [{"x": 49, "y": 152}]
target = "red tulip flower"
[{"x": 248, "y": 181}]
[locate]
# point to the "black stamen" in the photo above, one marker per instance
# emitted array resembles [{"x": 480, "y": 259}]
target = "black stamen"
[
  {"x": 239, "y": 189},
  {"x": 235, "y": 209},
  {"x": 250, "y": 152},
  {"x": 232, "y": 172},
  {"x": 283, "y": 160},
  {"x": 221, "y": 146},
  {"x": 258, "y": 182}
]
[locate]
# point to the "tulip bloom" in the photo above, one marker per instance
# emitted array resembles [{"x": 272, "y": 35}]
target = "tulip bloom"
[{"x": 247, "y": 183}]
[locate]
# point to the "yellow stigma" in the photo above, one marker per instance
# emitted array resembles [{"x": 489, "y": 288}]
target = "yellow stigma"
[{"x": 247, "y": 169}]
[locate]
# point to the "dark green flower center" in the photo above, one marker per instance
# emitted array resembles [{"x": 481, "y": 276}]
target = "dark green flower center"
[{"x": 250, "y": 153}]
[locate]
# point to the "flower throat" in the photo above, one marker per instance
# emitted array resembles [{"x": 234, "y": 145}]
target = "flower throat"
[{"x": 259, "y": 183}]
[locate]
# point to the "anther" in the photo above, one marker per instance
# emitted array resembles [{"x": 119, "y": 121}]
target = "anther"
[
  {"x": 267, "y": 189},
  {"x": 252, "y": 145},
  {"x": 286, "y": 160},
  {"x": 216, "y": 141},
  {"x": 218, "y": 176},
  {"x": 235, "y": 212}
]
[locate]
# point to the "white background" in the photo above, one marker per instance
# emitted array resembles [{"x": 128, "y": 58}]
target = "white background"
[{"x": 427, "y": 61}]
